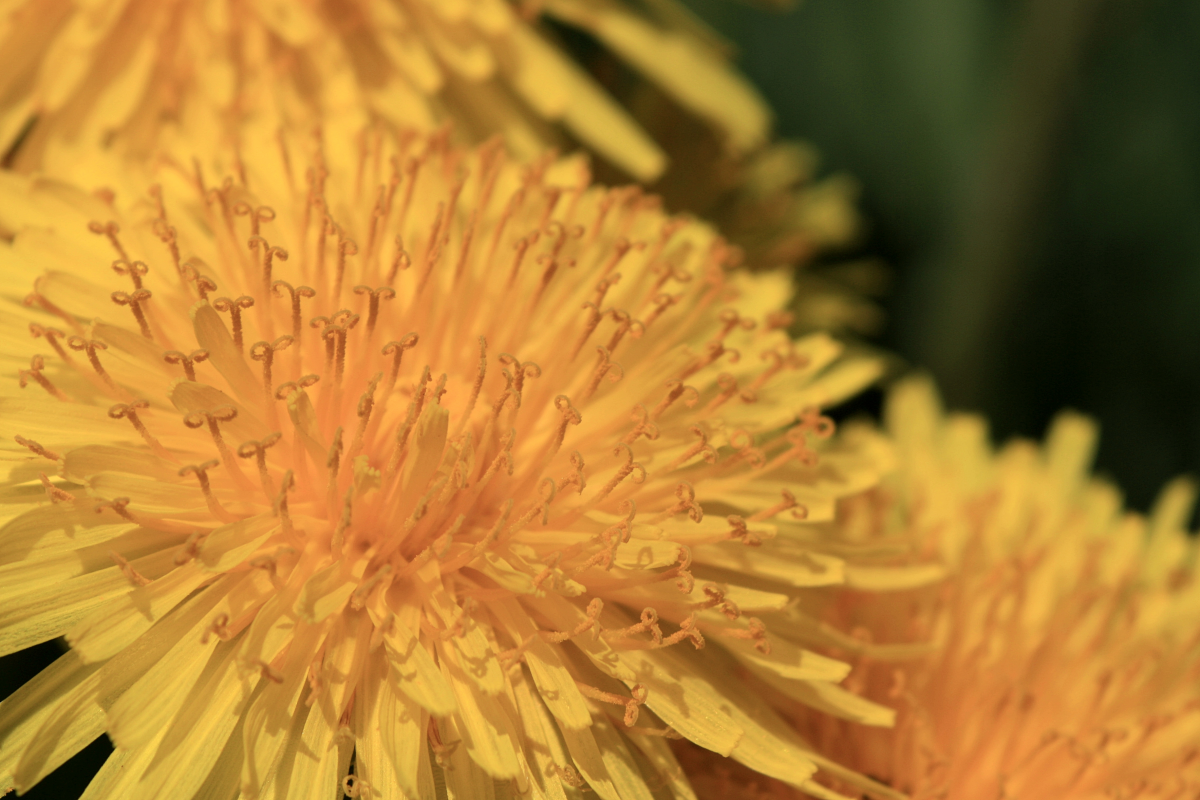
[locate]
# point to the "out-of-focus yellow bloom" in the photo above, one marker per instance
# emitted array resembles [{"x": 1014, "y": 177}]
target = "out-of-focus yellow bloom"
[
  {"x": 114, "y": 73},
  {"x": 414, "y": 454},
  {"x": 1067, "y": 660}
]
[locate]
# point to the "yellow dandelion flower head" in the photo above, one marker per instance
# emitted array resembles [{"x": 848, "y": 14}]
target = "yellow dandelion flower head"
[
  {"x": 432, "y": 459},
  {"x": 1063, "y": 655},
  {"x": 113, "y": 73}
]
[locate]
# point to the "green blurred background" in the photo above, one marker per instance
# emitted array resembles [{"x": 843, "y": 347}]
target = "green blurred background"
[{"x": 1031, "y": 172}]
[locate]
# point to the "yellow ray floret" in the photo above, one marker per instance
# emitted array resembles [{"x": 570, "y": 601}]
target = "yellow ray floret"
[
  {"x": 462, "y": 468},
  {"x": 115, "y": 73}
]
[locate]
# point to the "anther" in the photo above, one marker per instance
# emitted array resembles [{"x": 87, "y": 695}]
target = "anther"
[
  {"x": 400, "y": 262},
  {"x": 741, "y": 531},
  {"x": 198, "y": 419},
  {"x": 136, "y": 270},
  {"x": 337, "y": 332},
  {"x": 375, "y": 295},
  {"x": 188, "y": 361},
  {"x": 661, "y": 303},
  {"x": 36, "y": 448},
  {"x": 235, "y": 309},
  {"x": 129, "y": 411},
  {"x": 34, "y": 373},
  {"x": 52, "y": 335},
  {"x": 625, "y": 324},
  {"x": 109, "y": 229},
  {"x": 366, "y": 404},
  {"x": 201, "y": 473},
  {"x": 279, "y": 505},
  {"x": 134, "y": 301},
  {"x": 269, "y": 254},
  {"x": 590, "y": 621},
  {"x": 258, "y": 451},
  {"x": 295, "y": 295},
  {"x": 91, "y": 347},
  {"x": 333, "y": 463},
  {"x": 55, "y": 494},
  {"x": 755, "y": 631},
  {"x": 570, "y": 416},
  {"x": 265, "y": 352}
]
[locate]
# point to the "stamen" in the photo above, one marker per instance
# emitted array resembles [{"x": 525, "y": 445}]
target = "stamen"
[
  {"x": 630, "y": 466},
  {"x": 591, "y": 621},
  {"x": 131, "y": 574},
  {"x": 740, "y": 530},
  {"x": 36, "y": 365},
  {"x": 789, "y": 502},
  {"x": 258, "y": 451},
  {"x": 36, "y": 298},
  {"x": 521, "y": 247},
  {"x": 191, "y": 548},
  {"x": 333, "y": 463},
  {"x": 265, "y": 352},
  {"x": 134, "y": 301},
  {"x": 631, "y": 705},
  {"x": 716, "y": 599},
  {"x": 257, "y": 215},
  {"x": 604, "y": 366},
  {"x": 702, "y": 448},
  {"x": 197, "y": 419},
  {"x": 219, "y": 628},
  {"x": 675, "y": 390},
  {"x": 382, "y": 293},
  {"x": 521, "y": 371},
  {"x": 55, "y": 494},
  {"x": 396, "y": 351},
  {"x": 400, "y": 262},
  {"x": 661, "y": 303},
  {"x": 359, "y": 598},
  {"x": 109, "y": 229},
  {"x": 235, "y": 309},
  {"x": 366, "y": 404},
  {"x": 36, "y": 448},
  {"x": 129, "y": 411},
  {"x": 167, "y": 235},
  {"x": 336, "y": 333},
  {"x": 644, "y": 426},
  {"x": 279, "y": 506},
  {"x": 687, "y": 502},
  {"x": 731, "y": 319},
  {"x": 201, "y": 473},
  {"x": 188, "y": 361},
  {"x": 91, "y": 347},
  {"x": 339, "y": 533},
  {"x": 475, "y": 387},
  {"x": 729, "y": 386},
  {"x": 346, "y": 247},
  {"x": 52, "y": 336},
  {"x": 778, "y": 362},
  {"x": 648, "y": 624},
  {"x": 268, "y": 256},
  {"x": 576, "y": 478},
  {"x": 295, "y": 295},
  {"x": 135, "y": 270},
  {"x": 756, "y": 631},
  {"x": 570, "y": 416}
]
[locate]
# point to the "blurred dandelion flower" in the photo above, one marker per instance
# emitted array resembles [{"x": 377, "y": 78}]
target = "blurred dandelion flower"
[
  {"x": 425, "y": 467},
  {"x": 112, "y": 74},
  {"x": 1068, "y": 637}
]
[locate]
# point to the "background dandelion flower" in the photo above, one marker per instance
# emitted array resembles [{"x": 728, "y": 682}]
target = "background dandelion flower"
[
  {"x": 1067, "y": 648},
  {"x": 429, "y": 462},
  {"x": 112, "y": 74}
]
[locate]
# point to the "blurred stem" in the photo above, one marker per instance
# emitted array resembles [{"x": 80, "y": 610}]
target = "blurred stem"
[{"x": 988, "y": 262}]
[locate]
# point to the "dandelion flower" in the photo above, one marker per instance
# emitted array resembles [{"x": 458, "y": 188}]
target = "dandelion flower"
[
  {"x": 1067, "y": 653},
  {"x": 112, "y": 74},
  {"x": 424, "y": 467}
]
